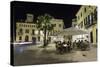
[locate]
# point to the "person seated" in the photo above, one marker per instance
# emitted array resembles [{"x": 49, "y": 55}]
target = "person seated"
[
  {"x": 69, "y": 46},
  {"x": 59, "y": 46},
  {"x": 74, "y": 44},
  {"x": 64, "y": 46}
]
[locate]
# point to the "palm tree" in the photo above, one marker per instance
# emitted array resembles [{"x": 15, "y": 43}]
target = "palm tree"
[{"x": 43, "y": 23}]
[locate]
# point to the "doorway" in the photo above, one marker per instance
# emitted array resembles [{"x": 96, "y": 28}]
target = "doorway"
[
  {"x": 26, "y": 38},
  {"x": 34, "y": 40},
  {"x": 91, "y": 35}
]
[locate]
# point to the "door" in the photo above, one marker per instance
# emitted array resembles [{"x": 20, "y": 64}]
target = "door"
[
  {"x": 34, "y": 40},
  {"x": 26, "y": 38},
  {"x": 91, "y": 35}
]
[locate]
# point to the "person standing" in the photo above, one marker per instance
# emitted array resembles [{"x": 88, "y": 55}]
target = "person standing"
[{"x": 74, "y": 44}]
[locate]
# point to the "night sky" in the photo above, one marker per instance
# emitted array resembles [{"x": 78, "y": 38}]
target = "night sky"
[{"x": 59, "y": 11}]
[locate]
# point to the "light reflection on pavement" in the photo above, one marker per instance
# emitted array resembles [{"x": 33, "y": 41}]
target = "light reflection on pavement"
[{"x": 34, "y": 54}]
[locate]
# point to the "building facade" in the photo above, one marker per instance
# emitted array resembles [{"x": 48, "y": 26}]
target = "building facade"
[
  {"x": 27, "y": 31},
  {"x": 86, "y": 19},
  {"x": 58, "y": 27}
]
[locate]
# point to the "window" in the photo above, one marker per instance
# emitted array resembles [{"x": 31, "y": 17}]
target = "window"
[
  {"x": 91, "y": 37},
  {"x": 34, "y": 25},
  {"x": 95, "y": 14},
  {"x": 27, "y": 31},
  {"x": 38, "y": 38},
  {"x": 33, "y": 32},
  {"x": 27, "y": 25},
  {"x": 59, "y": 25},
  {"x": 26, "y": 38},
  {"x": 88, "y": 20},
  {"x": 54, "y": 25},
  {"x": 29, "y": 16},
  {"x": 81, "y": 25},
  {"x": 20, "y": 38},
  {"x": 92, "y": 17},
  {"x": 78, "y": 17},
  {"x": 96, "y": 34},
  {"x": 84, "y": 21},
  {"x": 19, "y": 24},
  {"x": 39, "y": 32},
  {"x": 31, "y": 25},
  {"x": 20, "y": 30},
  {"x": 24, "y": 25},
  {"x": 81, "y": 14},
  {"x": 84, "y": 9}
]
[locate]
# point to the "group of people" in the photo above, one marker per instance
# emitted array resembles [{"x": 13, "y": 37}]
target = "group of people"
[
  {"x": 81, "y": 44},
  {"x": 63, "y": 47},
  {"x": 67, "y": 46}
]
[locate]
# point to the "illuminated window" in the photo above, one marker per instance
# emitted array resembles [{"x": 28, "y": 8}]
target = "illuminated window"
[{"x": 90, "y": 19}]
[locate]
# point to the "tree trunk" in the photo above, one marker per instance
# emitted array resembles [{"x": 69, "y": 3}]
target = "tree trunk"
[{"x": 45, "y": 42}]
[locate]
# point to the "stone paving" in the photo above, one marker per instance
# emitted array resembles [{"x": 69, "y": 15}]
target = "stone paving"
[{"x": 34, "y": 54}]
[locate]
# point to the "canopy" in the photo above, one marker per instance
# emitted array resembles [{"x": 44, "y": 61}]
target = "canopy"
[{"x": 72, "y": 31}]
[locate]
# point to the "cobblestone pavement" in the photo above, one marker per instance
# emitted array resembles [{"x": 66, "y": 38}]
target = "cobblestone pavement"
[{"x": 34, "y": 54}]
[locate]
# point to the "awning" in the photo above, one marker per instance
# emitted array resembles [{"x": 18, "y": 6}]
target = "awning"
[{"x": 72, "y": 31}]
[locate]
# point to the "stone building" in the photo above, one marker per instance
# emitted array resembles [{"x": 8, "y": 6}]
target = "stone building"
[
  {"x": 26, "y": 31},
  {"x": 86, "y": 19}
]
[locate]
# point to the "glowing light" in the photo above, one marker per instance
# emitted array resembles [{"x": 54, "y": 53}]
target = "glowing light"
[
  {"x": 41, "y": 32},
  {"x": 54, "y": 38},
  {"x": 36, "y": 32}
]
